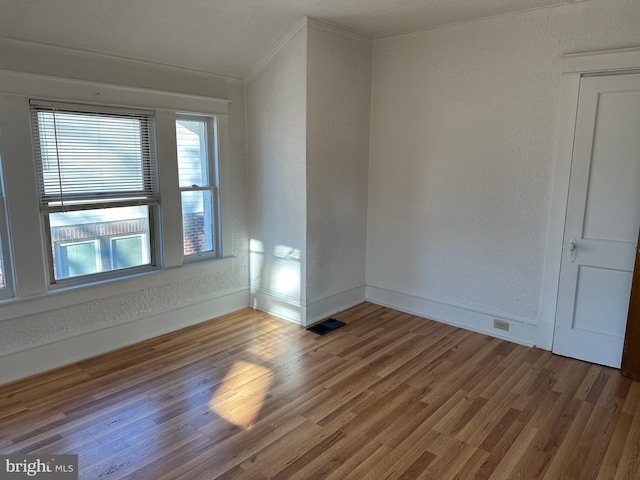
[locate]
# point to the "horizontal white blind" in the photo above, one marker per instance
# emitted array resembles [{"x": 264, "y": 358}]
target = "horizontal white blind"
[{"x": 93, "y": 157}]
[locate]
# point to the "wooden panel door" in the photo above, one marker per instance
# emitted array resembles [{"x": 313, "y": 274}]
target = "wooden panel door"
[{"x": 601, "y": 227}]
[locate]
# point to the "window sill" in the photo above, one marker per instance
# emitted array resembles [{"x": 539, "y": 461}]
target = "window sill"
[{"x": 75, "y": 294}]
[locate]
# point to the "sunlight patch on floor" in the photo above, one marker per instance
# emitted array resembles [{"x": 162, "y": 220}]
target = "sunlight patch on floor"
[{"x": 242, "y": 393}]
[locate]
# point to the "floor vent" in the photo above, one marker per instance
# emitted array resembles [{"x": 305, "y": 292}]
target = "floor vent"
[{"x": 326, "y": 326}]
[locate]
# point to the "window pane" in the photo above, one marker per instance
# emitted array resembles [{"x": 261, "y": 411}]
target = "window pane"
[
  {"x": 3, "y": 285},
  {"x": 94, "y": 241},
  {"x": 5, "y": 282},
  {"x": 127, "y": 251},
  {"x": 192, "y": 152},
  {"x": 197, "y": 228},
  {"x": 80, "y": 258}
]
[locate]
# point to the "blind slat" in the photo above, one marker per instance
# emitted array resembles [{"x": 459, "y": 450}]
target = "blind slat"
[{"x": 90, "y": 154}]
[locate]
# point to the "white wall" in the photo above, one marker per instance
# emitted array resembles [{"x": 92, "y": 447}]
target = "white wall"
[
  {"x": 338, "y": 103},
  {"x": 104, "y": 317},
  {"x": 464, "y": 124},
  {"x": 308, "y": 127},
  {"x": 276, "y": 111}
]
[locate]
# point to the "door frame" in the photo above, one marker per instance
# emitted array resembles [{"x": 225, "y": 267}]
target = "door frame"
[{"x": 574, "y": 67}]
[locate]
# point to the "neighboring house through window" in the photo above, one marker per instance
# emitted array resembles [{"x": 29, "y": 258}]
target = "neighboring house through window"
[{"x": 97, "y": 184}]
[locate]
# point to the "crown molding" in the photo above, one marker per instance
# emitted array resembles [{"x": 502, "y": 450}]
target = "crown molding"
[
  {"x": 52, "y": 48},
  {"x": 340, "y": 31},
  {"x": 276, "y": 48}
]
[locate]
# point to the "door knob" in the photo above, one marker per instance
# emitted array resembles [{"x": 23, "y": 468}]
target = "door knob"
[{"x": 572, "y": 250}]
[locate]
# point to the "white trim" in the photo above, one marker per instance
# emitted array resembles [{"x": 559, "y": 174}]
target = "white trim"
[
  {"x": 55, "y": 49},
  {"x": 47, "y": 87},
  {"x": 332, "y": 304},
  {"x": 169, "y": 240},
  {"x": 38, "y": 358},
  {"x": 276, "y": 48},
  {"x": 66, "y": 297},
  {"x": 278, "y": 306},
  {"x": 601, "y": 61},
  {"x": 575, "y": 65},
  {"x": 340, "y": 31},
  {"x": 6, "y": 254},
  {"x": 462, "y": 306},
  {"x": 469, "y": 319},
  {"x": 303, "y": 22},
  {"x": 225, "y": 186},
  {"x": 569, "y": 91}
]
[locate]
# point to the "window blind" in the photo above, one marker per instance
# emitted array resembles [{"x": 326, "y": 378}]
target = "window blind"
[{"x": 93, "y": 157}]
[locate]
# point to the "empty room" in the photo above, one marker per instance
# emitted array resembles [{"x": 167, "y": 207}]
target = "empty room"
[{"x": 301, "y": 239}]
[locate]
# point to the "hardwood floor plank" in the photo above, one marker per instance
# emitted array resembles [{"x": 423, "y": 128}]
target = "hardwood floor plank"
[
  {"x": 629, "y": 466},
  {"x": 406, "y": 455},
  {"x": 565, "y": 463},
  {"x": 448, "y": 464},
  {"x": 597, "y": 436},
  {"x": 351, "y": 458},
  {"x": 471, "y": 467},
  {"x": 388, "y": 396},
  {"x": 514, "y": 454}
]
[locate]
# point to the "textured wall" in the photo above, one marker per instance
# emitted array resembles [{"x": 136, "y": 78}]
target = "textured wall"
[
  {"x": 464, "y": 121},
  {"x": 99, "y": 313},
  {"x": 276, "y": 110},
  {"x": 338, "y": 101}
]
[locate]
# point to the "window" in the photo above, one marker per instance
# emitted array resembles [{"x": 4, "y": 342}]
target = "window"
[
  {"x": 78, "y": 258},
  {"x": 198, "y": 179},
  {"x": 5, "y": 271},
  {"x": 97, "y": 185},
  {"x": 89, "y": 191}
]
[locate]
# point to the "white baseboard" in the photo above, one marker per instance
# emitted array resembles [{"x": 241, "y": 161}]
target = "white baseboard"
[
  {"x": 325, "y": 307},
  {"x": 456, "y": 315},
  {"x": 320, "y": 309},
  {"x": 284, "y": 308},
  {"x": 39, "y": 358},
  {"x": 546, "y": 329}
]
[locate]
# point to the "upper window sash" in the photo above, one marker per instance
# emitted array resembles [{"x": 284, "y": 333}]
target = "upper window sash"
[{"x": 93, "y": 156}]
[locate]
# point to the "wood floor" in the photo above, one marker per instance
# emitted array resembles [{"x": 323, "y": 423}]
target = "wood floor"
[{"x": 388, "y": 396}]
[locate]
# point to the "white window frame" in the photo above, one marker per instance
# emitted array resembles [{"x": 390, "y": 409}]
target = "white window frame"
[
  {"x": 5, "y": 244},
  {"x": 212, "y": 186},
  {"x": 33, "y": 292},
  {"x": 90, "y": 205}
]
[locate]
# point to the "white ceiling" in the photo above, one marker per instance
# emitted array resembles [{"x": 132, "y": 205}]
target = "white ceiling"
[{"x": 224, "y": 36}]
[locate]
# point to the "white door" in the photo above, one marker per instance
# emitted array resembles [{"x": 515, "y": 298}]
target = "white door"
[{"x": 601, "y": 227}]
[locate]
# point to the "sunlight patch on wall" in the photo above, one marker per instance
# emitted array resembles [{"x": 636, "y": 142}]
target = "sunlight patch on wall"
[
  {"x": 275, "y": 280},
  {"x": 285, "y": 273}
]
